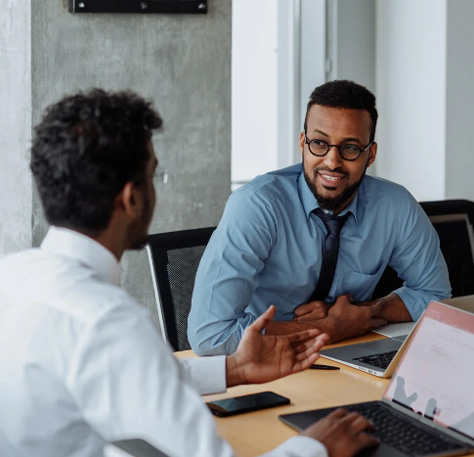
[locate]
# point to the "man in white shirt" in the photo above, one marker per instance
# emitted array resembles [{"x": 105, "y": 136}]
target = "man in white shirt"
[{"x": 81, "y": 362}]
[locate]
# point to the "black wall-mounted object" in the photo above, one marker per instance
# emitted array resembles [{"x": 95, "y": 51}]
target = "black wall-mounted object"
[{"x": 139, "y": 6}]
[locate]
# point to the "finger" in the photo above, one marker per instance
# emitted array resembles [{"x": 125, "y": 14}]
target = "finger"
[
  {"x": 350, "y": 298},
  {"x": 296, "y": 338},
  {"x": 361, "y": 424},
  {"x": 352, "y": 417},
  {"x": 314, "y": 344},
  {"x": 375, "y": 322},
  {"x": 304, "y": 309},
  {"x": 364, "y": 440},
  {"x": 310, "y": 355},
  {"x": 305, "y": 363},
  {"x": 321, "y": 341},
  {"x": 300, "y": 356},
  {"x": 262, "y": 321},
  {"x": 338, "y": 413},
  {"x": 376, "y": 308}
]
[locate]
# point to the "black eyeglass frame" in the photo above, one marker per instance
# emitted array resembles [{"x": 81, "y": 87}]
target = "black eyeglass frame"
[{"x": 338, "y": 146}]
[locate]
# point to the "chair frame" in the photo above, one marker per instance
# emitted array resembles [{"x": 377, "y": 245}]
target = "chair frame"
[{"x": 157, "y": 249}]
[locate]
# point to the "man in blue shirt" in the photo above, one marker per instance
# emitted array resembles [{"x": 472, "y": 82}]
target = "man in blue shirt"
[{"x": 268, "y": 247}]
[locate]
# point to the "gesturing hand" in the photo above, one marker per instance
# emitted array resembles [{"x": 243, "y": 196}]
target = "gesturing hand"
[
  {"x": 262, "y": 358},
  {"x": 344, "y": 434}
]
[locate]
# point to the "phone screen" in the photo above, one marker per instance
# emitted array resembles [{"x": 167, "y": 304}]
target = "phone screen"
[{"x": 246, "y": 403}]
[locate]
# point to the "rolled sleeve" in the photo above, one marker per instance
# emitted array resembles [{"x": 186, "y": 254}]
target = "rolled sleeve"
[{"x": 420, "y": 263}]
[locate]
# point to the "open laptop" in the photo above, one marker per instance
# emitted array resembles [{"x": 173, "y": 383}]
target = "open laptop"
[
  {"x": 428, "y": 407},
  {"x": 379, "y": 358}
]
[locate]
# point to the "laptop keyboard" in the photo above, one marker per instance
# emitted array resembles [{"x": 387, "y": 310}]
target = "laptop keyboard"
[
  {"x": 381, "y": 360},
  {"x": 406, "y": 436}
]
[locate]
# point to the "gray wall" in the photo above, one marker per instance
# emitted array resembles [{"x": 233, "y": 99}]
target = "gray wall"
[
  {"x": 355, "y": 42},
  {"x": 183, "y": 63},
  {"x": 15, "y": 121},
  {"x": 459, "y": 100}
]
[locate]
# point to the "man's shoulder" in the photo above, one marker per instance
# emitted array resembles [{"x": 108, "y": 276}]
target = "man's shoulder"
[
  {"x": 380, "y": 197},
  {"x": 380, "y": 189},
  {"x": 282, "y": 182},
  {"x": 60, "y": 285}
]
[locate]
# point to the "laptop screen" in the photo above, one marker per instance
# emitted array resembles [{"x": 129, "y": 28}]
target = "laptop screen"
[{"x": 435, "y": 375}]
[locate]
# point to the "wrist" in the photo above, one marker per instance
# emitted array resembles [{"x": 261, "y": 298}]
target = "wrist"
[{"x": 234, "y": 372}]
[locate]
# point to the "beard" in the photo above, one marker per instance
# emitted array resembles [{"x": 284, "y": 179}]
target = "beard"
[
  {"x": 336, "y": 203},
  {"x": 139, "y": 235}
]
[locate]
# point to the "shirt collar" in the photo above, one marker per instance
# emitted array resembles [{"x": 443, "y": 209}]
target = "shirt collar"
[
  {"x": 84, "y": 249},
  {"x": 310, "y": 203}
]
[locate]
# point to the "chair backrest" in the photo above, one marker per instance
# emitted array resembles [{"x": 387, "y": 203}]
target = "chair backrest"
[
  {"x": 453, "y": 221},
  {"x": 174, "y": 258}
]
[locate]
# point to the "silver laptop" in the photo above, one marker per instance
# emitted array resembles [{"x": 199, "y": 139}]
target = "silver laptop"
[
  {"x": 379, "y": 358},
  {"x": 428, "y": 407}
]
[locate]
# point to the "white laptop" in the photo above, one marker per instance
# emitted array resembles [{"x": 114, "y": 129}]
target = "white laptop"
[{"x": 428, "y": 407}]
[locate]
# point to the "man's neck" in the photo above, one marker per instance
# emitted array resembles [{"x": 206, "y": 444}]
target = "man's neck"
[{"x": 109, "y": 238}]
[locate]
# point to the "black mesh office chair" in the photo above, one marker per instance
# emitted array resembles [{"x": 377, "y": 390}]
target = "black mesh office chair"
[
  {"x": 453, "y": 220},
  {"x": 174, "y": 258}
]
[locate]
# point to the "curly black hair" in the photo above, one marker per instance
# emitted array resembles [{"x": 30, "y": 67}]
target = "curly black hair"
[
  {"x": 85, "y": 149},
  {"x": 344, "y": 94}
]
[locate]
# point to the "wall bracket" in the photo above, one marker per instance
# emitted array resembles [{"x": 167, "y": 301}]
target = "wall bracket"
[{"x": 139, "y": 6}]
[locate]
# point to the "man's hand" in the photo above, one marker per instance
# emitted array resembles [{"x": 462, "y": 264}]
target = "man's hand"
[
  {"x": 262, "y": 358},
  {"x": 351, "y": 320},
  {"x": 312, "y": 311},
  {"x": 344, "y": 434},
  {"x": 344, "y": 319}
]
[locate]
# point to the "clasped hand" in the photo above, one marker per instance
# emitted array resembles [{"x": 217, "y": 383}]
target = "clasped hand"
[{"x": 346, "y": 318}]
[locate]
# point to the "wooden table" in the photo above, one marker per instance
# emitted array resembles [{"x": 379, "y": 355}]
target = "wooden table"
[{"x": 252, "y": 434}]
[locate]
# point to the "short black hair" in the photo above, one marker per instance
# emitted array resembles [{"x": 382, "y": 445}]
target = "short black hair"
[
  {"x": 344, "y": 94},
  {"x": 85, "y": 149}
]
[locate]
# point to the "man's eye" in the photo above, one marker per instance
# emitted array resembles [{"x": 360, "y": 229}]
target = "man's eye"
[
  {"x": 350, "y": 148},
  {"x": 319, "y": 143}
]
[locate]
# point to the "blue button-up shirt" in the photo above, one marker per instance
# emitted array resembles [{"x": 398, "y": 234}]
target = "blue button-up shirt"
[{"x": 267, "y": 250}]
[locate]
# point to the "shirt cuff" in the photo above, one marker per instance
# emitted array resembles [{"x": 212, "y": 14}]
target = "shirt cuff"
[
  {"x": 207, "y": 373},
  {"x": 299, "y": 446}
]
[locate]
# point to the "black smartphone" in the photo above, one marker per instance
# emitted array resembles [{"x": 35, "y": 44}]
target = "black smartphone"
[{"x": 246, "y": 403}]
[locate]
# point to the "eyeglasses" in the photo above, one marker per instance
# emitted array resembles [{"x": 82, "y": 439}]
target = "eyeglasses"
[{"x": 320, "y": 148}]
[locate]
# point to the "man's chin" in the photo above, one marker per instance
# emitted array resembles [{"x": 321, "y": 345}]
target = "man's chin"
[
  {"x": 333, "y": 203},
  {"x": 333, "y": 199}
]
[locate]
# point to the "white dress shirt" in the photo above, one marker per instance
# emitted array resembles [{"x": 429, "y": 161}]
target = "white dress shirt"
[{"x": 82, "y": 363}]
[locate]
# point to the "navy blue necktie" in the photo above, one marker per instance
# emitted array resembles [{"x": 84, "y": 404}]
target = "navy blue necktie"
[{"x": 334, "y": 226}]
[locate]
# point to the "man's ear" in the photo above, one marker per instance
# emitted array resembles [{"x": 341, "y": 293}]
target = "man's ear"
[
  {"x": 301, "y": 143},
  {"x": 128, "y": 200},
  {"x": 372, "y": 154}
]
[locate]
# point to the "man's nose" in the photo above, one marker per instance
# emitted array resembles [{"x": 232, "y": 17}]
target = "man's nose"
[{"x": 333, "y": 159}]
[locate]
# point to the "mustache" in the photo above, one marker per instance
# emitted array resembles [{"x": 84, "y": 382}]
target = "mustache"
[{"x": 335, "y": 170}]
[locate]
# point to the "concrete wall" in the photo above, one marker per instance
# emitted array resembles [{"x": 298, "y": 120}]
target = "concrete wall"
[
  {"x": 15, "y": 119},
  {"x": 183, "y": 63}
]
